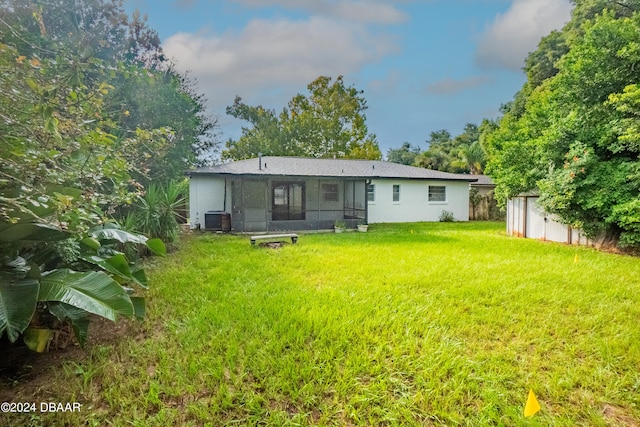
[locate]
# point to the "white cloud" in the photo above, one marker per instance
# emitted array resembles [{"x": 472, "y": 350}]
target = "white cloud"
[
  {"x": 515, "y": 33},
  {"x": 273, "y": 56},
  {"x": 450, "y": 86},
  {"x": 369, "y": 11}
]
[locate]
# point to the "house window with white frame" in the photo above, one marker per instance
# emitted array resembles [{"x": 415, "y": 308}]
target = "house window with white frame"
[
  {"x": 396, "y": 193},
  {"x": 371, "y": 193},
  {"x": 437, "y": 193}
]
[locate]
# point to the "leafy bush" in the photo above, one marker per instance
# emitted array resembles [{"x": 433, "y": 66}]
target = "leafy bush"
[
  {"x": 90, "y": 276},
  {"x": 446, "y": 216},
  {"x": 157, "y": 214}
]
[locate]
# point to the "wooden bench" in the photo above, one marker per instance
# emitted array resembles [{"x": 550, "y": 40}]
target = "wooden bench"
[{"x": 275, "y": 237}]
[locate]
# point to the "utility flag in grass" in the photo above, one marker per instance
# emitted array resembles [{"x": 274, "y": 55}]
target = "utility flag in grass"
[{"x": 532, "y": 406}]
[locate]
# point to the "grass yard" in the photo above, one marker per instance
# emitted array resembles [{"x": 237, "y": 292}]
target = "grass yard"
[{"x": 413, "y": 324}]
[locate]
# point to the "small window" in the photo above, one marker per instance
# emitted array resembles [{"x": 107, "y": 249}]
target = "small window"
[
  {"x": 396, "y": 193},
  {"x": 329, "y": 192},
  {"x": 371, "y": 193},
  {"x": 437, "y": 193}
]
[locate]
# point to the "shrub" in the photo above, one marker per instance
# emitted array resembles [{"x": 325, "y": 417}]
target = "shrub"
[
  {"x": 446, "y": 216},
  {"x": 157, "y": 214}
]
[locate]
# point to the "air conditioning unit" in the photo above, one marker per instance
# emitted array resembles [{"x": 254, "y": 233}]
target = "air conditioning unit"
[{"x": 217, "y": 221}]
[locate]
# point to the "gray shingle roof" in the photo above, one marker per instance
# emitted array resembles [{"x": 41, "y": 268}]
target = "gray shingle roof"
[
  {"x": 343, "y": 168},
  {"x": 482, "y": 180}
]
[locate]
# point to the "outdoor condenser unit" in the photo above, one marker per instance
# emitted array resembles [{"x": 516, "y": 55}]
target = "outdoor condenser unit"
[{"x": 217, "y": 221}]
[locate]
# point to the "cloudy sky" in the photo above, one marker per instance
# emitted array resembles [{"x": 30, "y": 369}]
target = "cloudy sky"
[{"x": 424, "y": 65}]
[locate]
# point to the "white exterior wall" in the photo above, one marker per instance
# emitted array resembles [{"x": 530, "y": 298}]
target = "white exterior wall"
[
  {"x": 206, "y": 193},
  {"x": 414, "y": 205}
]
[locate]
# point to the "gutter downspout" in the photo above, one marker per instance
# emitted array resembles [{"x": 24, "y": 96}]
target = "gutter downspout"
[{"x": 224, "y": 201}]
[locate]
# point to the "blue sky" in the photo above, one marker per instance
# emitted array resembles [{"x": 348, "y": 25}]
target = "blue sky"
[{"x": 424, "y": 65}]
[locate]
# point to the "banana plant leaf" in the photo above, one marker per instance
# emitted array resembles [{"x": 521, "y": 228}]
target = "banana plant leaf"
[
  {"x": 139, "y": 307},
  {"x": 140, "y": 275},
  {"x": 118, "y": 235},
  {"x": 157, "y": 246},
  {"x": 78, "y": 318},
  {"x": 30, "y": 231},
  {"x": 118, "y": 266},
  {"x": 95, "y": 292},
  {"x": 17, "y": 304}
]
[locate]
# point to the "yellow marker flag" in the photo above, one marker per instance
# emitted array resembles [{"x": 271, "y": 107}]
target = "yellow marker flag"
[
  {"x": 532, "y": 406},
  {"x": 575, "y": 259}
]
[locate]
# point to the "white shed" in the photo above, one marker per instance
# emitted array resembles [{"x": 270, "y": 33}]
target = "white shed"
[{"x": 525, "y": 218}]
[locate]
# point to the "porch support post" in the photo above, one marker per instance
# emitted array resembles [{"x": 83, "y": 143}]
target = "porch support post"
[{"x": 367, "y": 182}]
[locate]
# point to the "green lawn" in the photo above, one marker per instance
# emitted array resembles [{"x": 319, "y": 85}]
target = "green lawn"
[{"x": 414, "y": 324}]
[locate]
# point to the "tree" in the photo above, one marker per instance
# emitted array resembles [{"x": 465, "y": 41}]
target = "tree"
[
  {"x": 146, "y": 91},
  {"x": 576, "y": 142},
  {"x": 266, "y": 135},
  {"x": 462, "y": 154},
  {"x": 144, "y": 100},
  {"x": 405, "y": 155},
  {"x": 329, "y": 122},
  {"x": 437, "y": 156},
  {"x": 473, "y": 156}
]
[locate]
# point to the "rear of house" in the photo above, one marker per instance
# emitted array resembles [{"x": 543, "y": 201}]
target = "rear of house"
[
  {"x": 289, "y": 193},
  {"x": 407, "y": 200}
]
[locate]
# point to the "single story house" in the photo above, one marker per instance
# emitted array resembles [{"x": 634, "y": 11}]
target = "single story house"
[
  {"x": 525, "y": 218},
  {"x": 290, "y": 193}
]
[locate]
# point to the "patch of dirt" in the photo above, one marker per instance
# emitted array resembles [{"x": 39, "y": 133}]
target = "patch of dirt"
[
  {"x": 26, "y": 375},
  {"x": 616, "y": 416},
  {"x": 272, "y": 245}
]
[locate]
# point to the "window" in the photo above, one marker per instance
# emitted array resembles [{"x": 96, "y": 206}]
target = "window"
[
  {"x": 396, "y": 193},
  {"x": 437, "y": 193},
  {"x": 371, "y": 193},
  {"x": 329, "y": 192},
  {"x": 287, "y": 200}
]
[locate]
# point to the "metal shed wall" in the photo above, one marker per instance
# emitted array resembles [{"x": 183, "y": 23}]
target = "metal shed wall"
[{"x": 525, "y": 218}]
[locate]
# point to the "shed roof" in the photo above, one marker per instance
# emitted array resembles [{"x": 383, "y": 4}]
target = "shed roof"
[
  {"x": 343, "y": 168},
  {"x": 483, "y": 180}
]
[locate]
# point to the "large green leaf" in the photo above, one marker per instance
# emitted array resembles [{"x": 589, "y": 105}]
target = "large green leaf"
[
  {"x": 30, "y": 232},
  {"x": 17, "y": 304},
  {"x": 157, "y": 247},
  {"x": 116, "y": 234},
  {"x": 95, "y": 292},
  {"x": 139, "y": 306},
  {"x": 118, "y": 266},
  {"x": 78, "y": 318}
]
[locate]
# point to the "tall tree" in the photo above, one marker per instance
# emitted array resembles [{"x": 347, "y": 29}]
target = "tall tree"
[
  {"x": 462, "y": 154},
  {"x": 146, "y": 91},
  {"x": 576, "y": 140},
  {"x": 329, "y": 122},
  {"x": 405, "y": 155}
]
